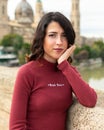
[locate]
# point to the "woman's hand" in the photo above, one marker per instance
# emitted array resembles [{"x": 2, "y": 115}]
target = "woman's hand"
[{"x": 66, "y": 54}]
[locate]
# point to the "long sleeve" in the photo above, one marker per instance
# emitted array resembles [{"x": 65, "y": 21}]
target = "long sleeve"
[
  {"x": 20, "y": 99},
  {"x": 85, "y": 94}
]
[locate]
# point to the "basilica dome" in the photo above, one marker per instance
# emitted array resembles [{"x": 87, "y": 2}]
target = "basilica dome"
[{"x": 24, "y": 13}]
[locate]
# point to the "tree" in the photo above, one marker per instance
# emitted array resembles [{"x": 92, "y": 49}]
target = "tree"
[
  {"x": 24, "y": 51},
  {"x": 82, "y": 53},
  {"x": 94, "y": 51},
  {"x": 98, "y": 49},
  {"x": 20, "y": 48},
  {"x": 14, "y": 40}
]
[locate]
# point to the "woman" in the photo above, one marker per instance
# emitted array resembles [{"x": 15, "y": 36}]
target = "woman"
[{"x": 44, "y": 86}]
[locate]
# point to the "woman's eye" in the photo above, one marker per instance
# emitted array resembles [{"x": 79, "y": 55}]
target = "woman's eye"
[
  {"x": 63, "y": 35},
  {"x": 51, "y": 35}
]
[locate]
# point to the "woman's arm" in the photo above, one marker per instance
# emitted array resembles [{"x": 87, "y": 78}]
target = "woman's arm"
[
  {"x": 85, "y": 94},
  {"x": 20, "y": 99}
]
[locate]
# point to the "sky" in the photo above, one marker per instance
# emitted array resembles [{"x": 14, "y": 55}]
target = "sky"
[{"x": 91, "y": 13}]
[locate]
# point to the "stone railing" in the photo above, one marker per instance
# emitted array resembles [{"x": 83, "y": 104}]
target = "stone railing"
[
  {"x": 79, "y": 117},
  {"x": 83, "y": 118}
]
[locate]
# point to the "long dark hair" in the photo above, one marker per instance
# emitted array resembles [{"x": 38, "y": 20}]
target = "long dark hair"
[{"x": 37, "y": 50}]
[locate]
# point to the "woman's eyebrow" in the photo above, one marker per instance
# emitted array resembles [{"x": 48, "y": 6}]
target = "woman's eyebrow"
[
  {"x": 51, "y": 32},
  {"x": 55, "y": 32}
]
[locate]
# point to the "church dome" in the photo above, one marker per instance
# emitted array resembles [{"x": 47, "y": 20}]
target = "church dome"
[{"x": 24, "y": 12}]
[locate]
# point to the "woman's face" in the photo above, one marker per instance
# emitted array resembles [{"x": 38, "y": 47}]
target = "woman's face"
[{"x": 55, "y": 42}]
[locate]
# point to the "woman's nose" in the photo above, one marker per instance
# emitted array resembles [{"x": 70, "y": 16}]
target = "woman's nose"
[{"x": 59, "y": 40}]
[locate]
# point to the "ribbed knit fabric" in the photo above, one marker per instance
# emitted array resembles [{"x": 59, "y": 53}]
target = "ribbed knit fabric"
[{"x": 43, "y": 93}]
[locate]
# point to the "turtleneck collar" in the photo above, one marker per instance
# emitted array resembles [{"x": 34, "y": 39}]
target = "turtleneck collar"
[{"x": 47, "y": 64}]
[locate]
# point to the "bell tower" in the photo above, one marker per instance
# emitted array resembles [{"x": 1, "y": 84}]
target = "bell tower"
[
  {"x": 4, "y": 27},
  {"x": 38, "y": 11},
  {"x": 3, "y": 10},
  {"x": 75, "y": 19}
]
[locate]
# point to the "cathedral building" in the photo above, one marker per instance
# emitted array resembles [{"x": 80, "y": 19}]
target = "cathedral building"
[{"x": 25, "y": 19}]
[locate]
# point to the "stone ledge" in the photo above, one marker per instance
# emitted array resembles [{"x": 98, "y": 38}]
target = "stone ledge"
[{"x": 83, "y": 118}]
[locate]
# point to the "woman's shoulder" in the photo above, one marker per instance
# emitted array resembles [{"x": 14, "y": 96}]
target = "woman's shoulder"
[{"x": 28, "y": 67}]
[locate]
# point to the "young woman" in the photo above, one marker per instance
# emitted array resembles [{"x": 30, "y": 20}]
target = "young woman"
[{"x": 44, "y": 86}]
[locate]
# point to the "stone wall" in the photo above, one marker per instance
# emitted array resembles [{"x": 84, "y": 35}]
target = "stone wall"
[
  {"x": 79, "y": 117},
  {"x": 7, "y": 78}
]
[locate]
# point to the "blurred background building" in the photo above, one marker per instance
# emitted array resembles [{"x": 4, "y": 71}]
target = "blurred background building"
[{"x": 26, "y": 20}]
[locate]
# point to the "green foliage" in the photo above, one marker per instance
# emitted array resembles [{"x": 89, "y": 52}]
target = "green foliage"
[
  {"x": 24, "y": 51},
  {"x": 94, "y": 51},
  {"x": 88, "y": 49},
  {"x": 98, "y": 49},
  {"x": 0, "y": 42},
  {"x": 99, "y": 44},
  {"x": 20, "y": 48},
  {"x": 26, "y": 48},
  {"x": 82, "y": 53},
  {"x": 77, "y": 50},
  {"x": 102, "y": 53},
  {"x": 13, "y": 40}
]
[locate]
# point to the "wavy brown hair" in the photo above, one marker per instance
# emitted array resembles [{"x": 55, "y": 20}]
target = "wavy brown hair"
[{"x": 37, "y": 50}]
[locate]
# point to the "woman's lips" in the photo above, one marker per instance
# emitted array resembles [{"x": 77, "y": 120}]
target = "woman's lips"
[{"x": 58, "y": 49}]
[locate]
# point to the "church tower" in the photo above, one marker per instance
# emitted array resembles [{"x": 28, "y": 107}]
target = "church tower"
[
  {"x": 38, "y": 11},
  {"x": 75, "y": 19},
  {"x": 3, "y": 11},
  {"x": 4, "y": 27}
]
